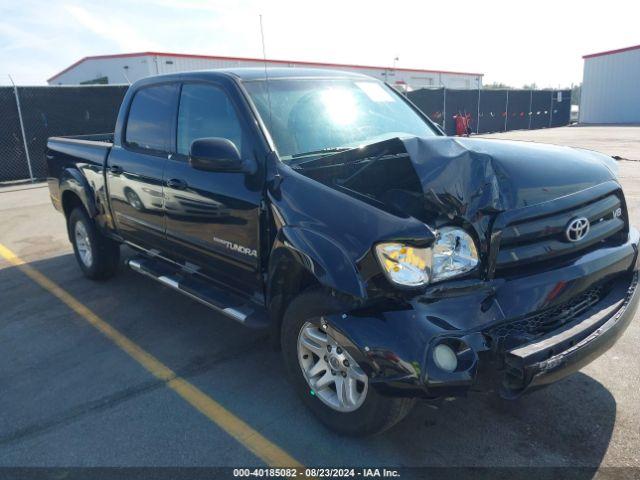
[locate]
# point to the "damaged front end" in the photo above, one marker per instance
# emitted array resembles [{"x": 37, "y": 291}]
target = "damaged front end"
[
  {"x": 510, "y": 357},
  {"x": 538, "y": 305},
  {"x": 574, "y": 335}
]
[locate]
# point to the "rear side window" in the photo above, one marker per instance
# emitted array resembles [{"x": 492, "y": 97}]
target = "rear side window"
[
  {"x": 206, "y": 111},
  {"x": 151, "y": 118}
]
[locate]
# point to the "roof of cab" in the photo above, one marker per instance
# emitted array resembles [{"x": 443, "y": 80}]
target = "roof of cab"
[{"x": 254, "y": 73}]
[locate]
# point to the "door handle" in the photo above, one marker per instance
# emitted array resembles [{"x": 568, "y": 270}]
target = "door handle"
[
  {"x": 115, "y": 169},
  {"x": 177, "y": 184}
]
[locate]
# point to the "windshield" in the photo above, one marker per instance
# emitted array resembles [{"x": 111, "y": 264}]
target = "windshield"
[{"x": 317, "y": 116}]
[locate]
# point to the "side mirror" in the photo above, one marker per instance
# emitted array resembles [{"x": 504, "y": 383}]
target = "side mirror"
[{"x": 216, "y": 155}]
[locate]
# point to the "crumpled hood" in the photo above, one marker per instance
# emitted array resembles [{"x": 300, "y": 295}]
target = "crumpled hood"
[
  {"x": 466, "y": 177},
  {"x": 503, "y": 174}
]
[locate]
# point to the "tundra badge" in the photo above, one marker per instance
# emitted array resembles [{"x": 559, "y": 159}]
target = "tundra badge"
[{"x": 236, "y": 248}]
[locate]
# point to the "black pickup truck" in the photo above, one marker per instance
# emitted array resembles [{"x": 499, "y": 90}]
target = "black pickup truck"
[{"x": 389, "y": 261}]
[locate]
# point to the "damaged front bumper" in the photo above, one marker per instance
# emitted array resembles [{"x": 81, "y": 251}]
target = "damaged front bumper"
[
  {"x": 573, "y": 346},
  {"x": 395, "y": 341}
]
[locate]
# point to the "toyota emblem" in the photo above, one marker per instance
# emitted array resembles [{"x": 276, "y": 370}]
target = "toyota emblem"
[{"x": 577, "y": 229}]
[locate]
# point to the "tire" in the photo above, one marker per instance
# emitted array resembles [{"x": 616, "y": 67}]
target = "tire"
[
  {"x": 97, "y": 255},
  {"x": 374, "y": 415}
]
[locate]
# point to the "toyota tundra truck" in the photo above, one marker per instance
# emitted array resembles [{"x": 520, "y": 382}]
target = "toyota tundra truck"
[{"x": 388, "y": 261}]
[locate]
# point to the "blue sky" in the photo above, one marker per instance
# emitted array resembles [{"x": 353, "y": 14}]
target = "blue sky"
[{"x": 511, "y": 42}]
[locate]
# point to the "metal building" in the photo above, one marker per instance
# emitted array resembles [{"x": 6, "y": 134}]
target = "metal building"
[
  {"x": 611, "y": 87},
  {"x": 128, "y": 67}
]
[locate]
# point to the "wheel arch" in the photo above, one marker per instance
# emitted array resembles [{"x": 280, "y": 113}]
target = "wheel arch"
[
  {"x": 73, "y": 187},
  {"x": 301, "y": 260}
]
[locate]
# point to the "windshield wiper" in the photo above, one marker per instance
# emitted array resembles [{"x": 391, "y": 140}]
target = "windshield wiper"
[{"x": 320, "y": 152}]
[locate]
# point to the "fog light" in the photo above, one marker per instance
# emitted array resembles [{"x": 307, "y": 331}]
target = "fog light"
[{"x": 445, "y": 358}]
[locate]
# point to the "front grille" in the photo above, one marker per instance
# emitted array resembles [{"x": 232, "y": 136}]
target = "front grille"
[
  {"x": 529, "y": 328},
  {"x": 543, "y": 238}
]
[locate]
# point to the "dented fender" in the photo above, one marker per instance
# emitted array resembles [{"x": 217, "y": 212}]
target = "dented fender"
[{"x": 324, "y": 259}]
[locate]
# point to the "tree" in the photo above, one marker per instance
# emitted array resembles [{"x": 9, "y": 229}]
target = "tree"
[{"x": 497, "y": 86}]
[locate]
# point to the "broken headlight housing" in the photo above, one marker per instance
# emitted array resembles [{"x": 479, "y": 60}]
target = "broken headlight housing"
[{"x": 453, "y": 253}]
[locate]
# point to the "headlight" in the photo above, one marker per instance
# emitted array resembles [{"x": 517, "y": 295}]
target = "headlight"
[
  {"x": 404, "y": 265},
  {"x": 453, "y": 253}
]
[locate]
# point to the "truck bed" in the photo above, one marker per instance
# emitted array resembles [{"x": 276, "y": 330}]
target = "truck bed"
[
  {"x": 96, "y": 137},
  {"x": 86, "y": 154}
]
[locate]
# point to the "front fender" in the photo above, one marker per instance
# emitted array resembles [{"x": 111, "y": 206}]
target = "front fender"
[
  {"x": 72, "y": 180},
  {"x": 325, "y": 260}
]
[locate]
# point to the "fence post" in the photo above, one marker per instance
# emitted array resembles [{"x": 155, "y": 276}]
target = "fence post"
[
  {"x": 506, "y": 112},
  {"x": 478, "y": 122},
  {"x": 530, "y": 107},
  {"x": 444, "y": 109},
  {"x": 24, "y": 137}
]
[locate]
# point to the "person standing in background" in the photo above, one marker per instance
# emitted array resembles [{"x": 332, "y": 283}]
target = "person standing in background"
[{"x": 461, "y": 124}]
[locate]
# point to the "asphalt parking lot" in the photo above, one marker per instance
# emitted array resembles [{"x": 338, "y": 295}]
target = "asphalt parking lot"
[{"x": 79, "y": 386}]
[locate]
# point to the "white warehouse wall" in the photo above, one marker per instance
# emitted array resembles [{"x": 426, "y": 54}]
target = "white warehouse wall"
[
  {"x": 143, "y": 65},
  {"x": 611, "y": 88},
  {"x": 112, "y": 68}
]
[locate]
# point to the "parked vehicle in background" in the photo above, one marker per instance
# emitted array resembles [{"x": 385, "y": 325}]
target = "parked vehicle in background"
[
  {"x": 390, "y": 262},
  {"x": 574, "y": 116}
]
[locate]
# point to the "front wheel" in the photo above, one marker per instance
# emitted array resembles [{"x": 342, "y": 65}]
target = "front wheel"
[
  {"x": 331, "y": 383},
  {"x": 97, "y": 255}
]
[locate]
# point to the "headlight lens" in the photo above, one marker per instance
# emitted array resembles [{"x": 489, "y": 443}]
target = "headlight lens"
[
  {"x": 453, "y": 253},
  {"x": 405, "y": 265}
]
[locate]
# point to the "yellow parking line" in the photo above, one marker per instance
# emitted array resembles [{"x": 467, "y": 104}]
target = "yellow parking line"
[{"x": 260, "y": 446}]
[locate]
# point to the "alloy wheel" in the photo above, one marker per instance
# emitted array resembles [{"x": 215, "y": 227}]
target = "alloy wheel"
[
  {"x": 334, "y": 377},
  {"x": 83, "y": 244}
]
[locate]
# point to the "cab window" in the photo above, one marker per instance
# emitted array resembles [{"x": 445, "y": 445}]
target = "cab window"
[
  {"x": 151, "y": 118},
  {"x": 206, "y": 111}
]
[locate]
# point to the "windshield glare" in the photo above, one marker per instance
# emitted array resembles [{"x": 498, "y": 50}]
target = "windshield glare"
[{"x": 311, "y": 115}]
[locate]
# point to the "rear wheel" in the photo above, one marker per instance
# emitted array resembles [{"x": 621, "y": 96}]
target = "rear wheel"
[
  {"x": 331, "y": 383},
  {"x": 97, "y": 255}
]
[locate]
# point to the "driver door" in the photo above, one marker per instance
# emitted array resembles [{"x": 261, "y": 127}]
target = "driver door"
[{"x": 213, "y": 218}]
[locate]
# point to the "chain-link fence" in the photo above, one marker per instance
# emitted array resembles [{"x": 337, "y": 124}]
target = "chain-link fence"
[
  {"x": 494, "y": 110},
  {"x": 13, "y": 161},
  {"x": 29, "y": 115}
]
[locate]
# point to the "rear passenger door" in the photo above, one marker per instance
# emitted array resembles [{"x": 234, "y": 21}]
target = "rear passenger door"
[
  {"x": 135, "y": 171},
  {"x": 212, "y": 218}
]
